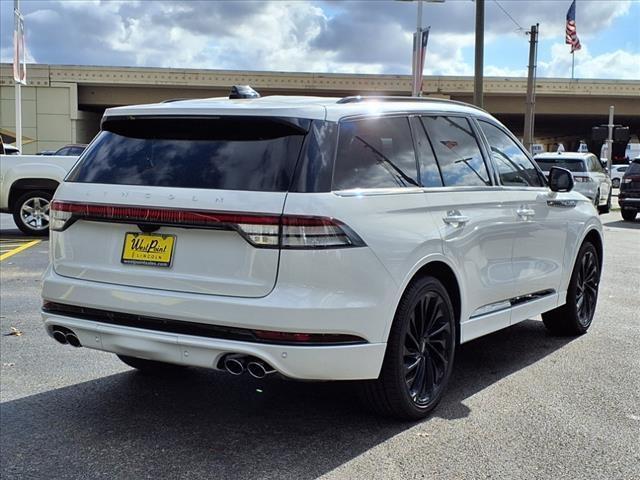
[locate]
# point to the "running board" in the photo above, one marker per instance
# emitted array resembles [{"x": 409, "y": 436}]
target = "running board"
[{"x": 511, "y": 302}]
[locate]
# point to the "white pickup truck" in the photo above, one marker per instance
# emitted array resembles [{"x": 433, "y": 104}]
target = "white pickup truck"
[{"x": 27, "y": 184}]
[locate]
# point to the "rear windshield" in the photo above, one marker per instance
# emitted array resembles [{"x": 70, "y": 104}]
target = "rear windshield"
[
  {"x": 229, "y": 153},
  {"x": 571, "y": 164}
]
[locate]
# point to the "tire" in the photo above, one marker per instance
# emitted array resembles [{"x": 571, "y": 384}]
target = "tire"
[
  {"x": 35, "y": 222},
  {"x": 151, "y": 367},
  {"x": 615, "y": 183},
  {"x": 606, "y": 208},
  {"x": 424, "y": 347},
  {"x": 629, "y": 215},
  {"x": 575, "y": 317}
]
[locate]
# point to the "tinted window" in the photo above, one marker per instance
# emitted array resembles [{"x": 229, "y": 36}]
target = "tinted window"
[
  {"x": 457, "y": 151},
  {"x": 429, "y": 171},
  {"x": 375, "y": 153},
  {"x": 63, "y": 151},
  {"x": 514, "y": 167},
  {"x": 239, "y": 153},
  {"x": 571, "y": 164}
]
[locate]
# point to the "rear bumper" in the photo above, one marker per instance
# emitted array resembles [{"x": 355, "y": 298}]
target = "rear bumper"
[
  {"x": 288, "y": 308},
  {"x": 630, "y": 202},
  {"x": 589, "y": 189},
  {"x": 345, "y": 362}
]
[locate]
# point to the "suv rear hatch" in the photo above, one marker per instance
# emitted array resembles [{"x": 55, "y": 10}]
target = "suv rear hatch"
[{"x": 208, "y": 191}]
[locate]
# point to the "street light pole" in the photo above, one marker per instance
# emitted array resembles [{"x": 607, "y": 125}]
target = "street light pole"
[
  {"x": 610, "y": 127},
  {"x": 478, "y": 98}
]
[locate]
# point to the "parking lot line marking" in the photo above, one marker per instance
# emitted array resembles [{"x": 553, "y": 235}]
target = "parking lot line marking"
[{"x": 19, "y": 249}]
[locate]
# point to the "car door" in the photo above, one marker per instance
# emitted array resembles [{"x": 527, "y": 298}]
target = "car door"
[
  {"x": 475, "y": 223},
  {"x": 541, "y": 233}
]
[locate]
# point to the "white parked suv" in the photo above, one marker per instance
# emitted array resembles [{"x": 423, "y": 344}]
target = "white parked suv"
[
  {"x": 319, "y": 238},
  {"x": 591, "y": 179}
]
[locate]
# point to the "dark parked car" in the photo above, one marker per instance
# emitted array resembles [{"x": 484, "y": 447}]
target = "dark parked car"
[
  {"x": 629, "y": 196},
  {"x": 71, "y": 150}
]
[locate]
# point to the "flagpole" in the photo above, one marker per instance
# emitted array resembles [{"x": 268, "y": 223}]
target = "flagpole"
[{"x": 573, "y": 62}]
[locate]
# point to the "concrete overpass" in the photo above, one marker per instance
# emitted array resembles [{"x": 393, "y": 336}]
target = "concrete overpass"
[{"x": 565, "y": 109}]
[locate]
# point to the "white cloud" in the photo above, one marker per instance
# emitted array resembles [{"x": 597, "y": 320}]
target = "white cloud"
[
  {"x": 344, "y": 37},
  {"x": 619, "y": 64}
]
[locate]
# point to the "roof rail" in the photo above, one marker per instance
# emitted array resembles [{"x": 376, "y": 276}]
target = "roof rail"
[{"x": 387, "y": 98}]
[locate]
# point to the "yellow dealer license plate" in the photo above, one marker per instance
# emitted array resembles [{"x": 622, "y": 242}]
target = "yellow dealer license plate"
[{"x": 148, "y": 249}]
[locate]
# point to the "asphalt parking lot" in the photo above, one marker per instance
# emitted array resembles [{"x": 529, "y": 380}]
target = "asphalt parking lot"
[{"x": 521, "y": 404}]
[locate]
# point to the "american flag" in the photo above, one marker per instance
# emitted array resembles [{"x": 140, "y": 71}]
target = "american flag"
[{"x": 571, "y": 36}]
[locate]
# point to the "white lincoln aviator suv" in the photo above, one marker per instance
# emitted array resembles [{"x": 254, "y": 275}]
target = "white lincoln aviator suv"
[{"x": 361, "y": 238}]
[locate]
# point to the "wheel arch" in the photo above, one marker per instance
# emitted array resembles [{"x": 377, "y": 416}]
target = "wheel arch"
[
  {"x": 19, "y": 187},
  {"x": 445, "y": 273},
  {"x": 595, "y": 238}
]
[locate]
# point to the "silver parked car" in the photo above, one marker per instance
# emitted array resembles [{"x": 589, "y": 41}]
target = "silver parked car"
[
  {"x": 617, "y": 172},
  {"x": 590, "y": 177}
]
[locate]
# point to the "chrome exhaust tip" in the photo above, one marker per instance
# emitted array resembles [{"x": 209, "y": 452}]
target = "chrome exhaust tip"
[
  {"x": 72, "y": 339},
  {"x": 60, "y": 337},
  {"x": 234, "y": 365},
  {"x": 259, "y": 369}
]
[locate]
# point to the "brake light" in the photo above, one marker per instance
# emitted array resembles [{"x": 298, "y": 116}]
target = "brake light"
[
  {"x": 268, "y": 230},
  {"x": 317, "y": 232},
  {"x": 627, "y": 180}
]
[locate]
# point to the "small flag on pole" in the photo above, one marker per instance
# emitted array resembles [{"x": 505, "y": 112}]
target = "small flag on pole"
[
  {"x": 571, "y": 36},
  {"x": 419, "y": 53},
  {"x": 19, "y": 56}
]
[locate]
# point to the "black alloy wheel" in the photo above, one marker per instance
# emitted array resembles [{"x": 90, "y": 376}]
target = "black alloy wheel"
[
  {"x": 576, "y": 315},
  {"x": 587, "y": 287},
  {"x": 428, "y": 345},
  {"x": 419, "y": 356}
]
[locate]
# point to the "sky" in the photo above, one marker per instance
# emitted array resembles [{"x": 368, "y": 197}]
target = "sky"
[{"x": 327, "y": 36}]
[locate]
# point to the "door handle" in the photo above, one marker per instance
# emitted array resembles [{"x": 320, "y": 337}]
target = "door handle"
[
  {"x": 455, "y": 219},
  {"x": 525, "y": 213}
]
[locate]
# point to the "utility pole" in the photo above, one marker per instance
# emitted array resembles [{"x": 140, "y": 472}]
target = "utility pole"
[
  {"x": 478, "y": 98},
  {"x": 417, "y": 39},
  {"x": 610, "y": 139},
  {"x": 529, "y": 117},
  {"x": 18, "y": 84}
]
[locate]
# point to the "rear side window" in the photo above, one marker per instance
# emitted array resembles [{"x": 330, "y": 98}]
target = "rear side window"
[
  {"x": 514, "y": 167},
  {"x": 375, "y": 153},
  {"x": 595, "y": 165},
  {"x": 229, "y": 153},
  {"x": 457, "y": 151}
]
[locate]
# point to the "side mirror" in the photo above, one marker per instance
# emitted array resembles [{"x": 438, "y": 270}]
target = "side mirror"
[{"x": 560, "y": 180}]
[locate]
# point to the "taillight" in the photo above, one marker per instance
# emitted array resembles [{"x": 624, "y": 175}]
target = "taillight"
[
  {"x": 582, "y": 179},
  {"x": 267, "y": 231},
  {"x": 627, "y": 180},
  {"x": 317, "y": 232}
]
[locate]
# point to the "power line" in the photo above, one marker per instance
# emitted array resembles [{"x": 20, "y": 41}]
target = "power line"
[{"x": 520, "y": 29}]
